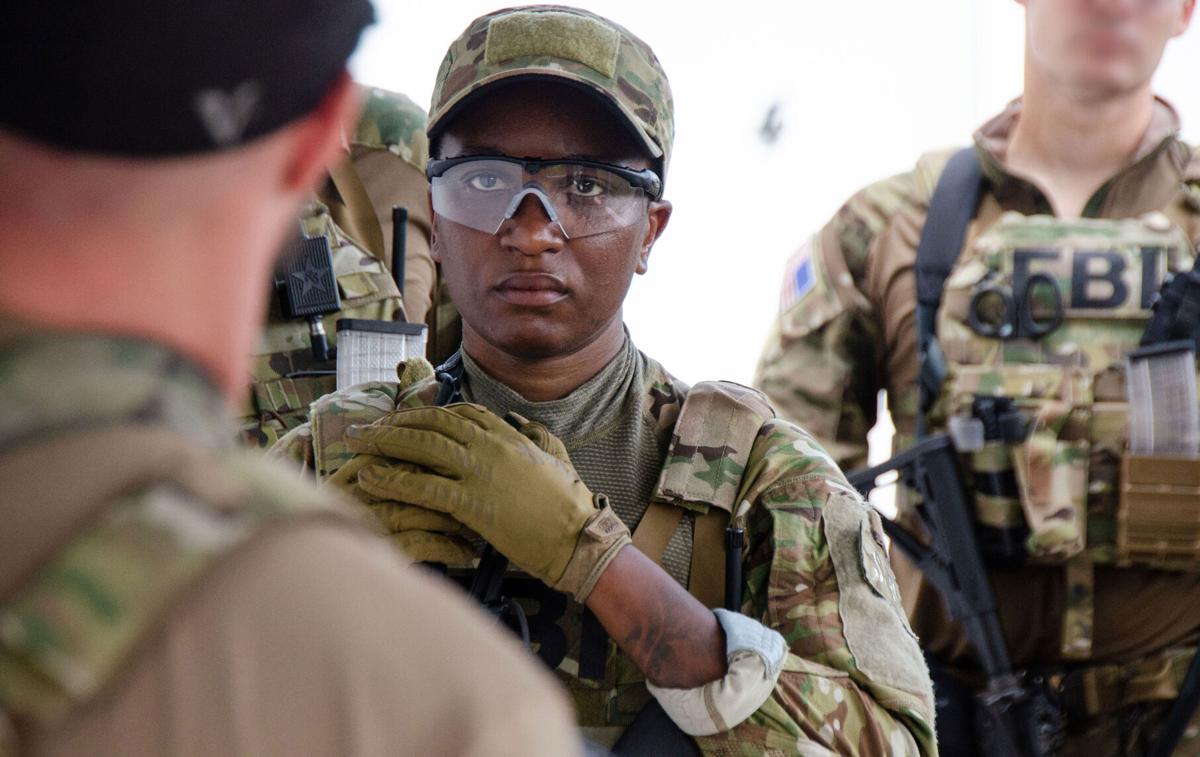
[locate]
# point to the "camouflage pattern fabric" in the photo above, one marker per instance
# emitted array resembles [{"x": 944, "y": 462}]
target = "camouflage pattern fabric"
[
  {"x": 393, "y": 122},
  {"x": 847, "y": 329},
  {"x": 696, "y": 475},
  {"x": 1129, "y": 703},
  {"x": 388, "y": 154},
  {"x": 1107, "y": 273},
  {"x": 390, "y": 123},
  {"x": 157, "y": 525},
  {"x": 815, "y": 570},
  {"x": 846, "y": 325},
  {"x": 278, "y": 401},
  {"x": 566, "y": 43}
]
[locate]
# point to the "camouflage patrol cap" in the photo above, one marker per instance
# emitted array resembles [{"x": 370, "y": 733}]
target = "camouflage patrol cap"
[{"x": 567, "y": 44}]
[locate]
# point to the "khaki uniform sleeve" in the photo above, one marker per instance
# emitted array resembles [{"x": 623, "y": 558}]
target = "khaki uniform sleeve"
[
  {"x": 390, "y": 180},
  {"x": 822, "y": 366},
  {"x": 296, "y": 446},
  {"x": 317, "y": 641},
  {"x": 854, "y": 680}
]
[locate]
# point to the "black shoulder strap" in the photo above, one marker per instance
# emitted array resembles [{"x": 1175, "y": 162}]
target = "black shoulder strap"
[{"x": 953, "y": 205}]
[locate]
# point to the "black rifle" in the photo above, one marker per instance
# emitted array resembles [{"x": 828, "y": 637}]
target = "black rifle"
[{"x": 1013, "y": 720}]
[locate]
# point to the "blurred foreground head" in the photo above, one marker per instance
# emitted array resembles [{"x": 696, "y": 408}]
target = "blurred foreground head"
[
  {"x": 139, "y": 78},
  {"x": 153, "y": 154}
]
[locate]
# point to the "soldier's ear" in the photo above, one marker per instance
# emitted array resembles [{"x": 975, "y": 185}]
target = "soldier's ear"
[
  {"x": 318, "y": 139},
  {"x": 658, "y": 215},
  {"x": 1185, "y": 17}
]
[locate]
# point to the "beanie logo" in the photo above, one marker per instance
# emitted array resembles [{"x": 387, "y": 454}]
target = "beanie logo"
[{"x": 225, "y": 115}]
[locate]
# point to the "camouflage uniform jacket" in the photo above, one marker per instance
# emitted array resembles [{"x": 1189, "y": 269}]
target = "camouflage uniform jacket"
[
  {"x": 159, "y": 585},
  {"x": 139, "y": 431},
  {"x": 847, "y": 329},
  {"x": 815, "y": 570}
]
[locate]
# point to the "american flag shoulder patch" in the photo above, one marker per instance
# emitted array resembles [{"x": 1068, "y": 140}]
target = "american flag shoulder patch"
[{"x": 798, "y": 278}]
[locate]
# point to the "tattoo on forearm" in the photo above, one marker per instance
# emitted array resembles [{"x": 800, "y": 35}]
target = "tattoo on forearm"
[{"x": 664, "y": 647}]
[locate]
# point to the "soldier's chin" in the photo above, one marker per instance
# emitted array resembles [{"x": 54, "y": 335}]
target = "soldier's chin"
[
  {"x": 530, "y": 344},
  {"x": 1103, "y": 80}
]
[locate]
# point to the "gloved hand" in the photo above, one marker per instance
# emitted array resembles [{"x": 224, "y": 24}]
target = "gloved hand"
[
  {"x": 514, "y": 486},
  {"x": 422, "y": 534}
]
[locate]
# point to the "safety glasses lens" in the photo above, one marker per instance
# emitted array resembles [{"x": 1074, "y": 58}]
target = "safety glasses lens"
[{"x": 584, "y": 199}]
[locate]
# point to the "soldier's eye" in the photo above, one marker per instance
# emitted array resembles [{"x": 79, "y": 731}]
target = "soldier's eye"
[
  {"x": 585, "y": 185},
  {"x": 485, "y": 181}
]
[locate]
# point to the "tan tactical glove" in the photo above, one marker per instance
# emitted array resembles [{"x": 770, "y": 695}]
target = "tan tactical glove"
[
  {"x": 422, "y": 534},
  {"x": 515, "y": 487}
]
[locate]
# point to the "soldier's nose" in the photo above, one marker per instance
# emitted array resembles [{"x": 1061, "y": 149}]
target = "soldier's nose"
[{"x": 533, "y": 228}]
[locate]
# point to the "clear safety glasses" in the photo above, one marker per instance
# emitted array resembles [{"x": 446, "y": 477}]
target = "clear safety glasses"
[{"x": 583, "y": 197}]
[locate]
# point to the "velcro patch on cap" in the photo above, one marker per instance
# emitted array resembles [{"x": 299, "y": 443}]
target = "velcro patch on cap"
[{"x": 556, "y": 35}]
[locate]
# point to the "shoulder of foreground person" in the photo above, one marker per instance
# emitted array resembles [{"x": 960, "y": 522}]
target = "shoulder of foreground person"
[{"x": 316, "y": 639}]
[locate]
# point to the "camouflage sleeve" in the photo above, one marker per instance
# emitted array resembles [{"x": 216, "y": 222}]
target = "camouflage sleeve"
[
  {"x": 821, "y": 363},
  {"x": 1191, "y": 188},
  {"x": 854, "y": 681}
]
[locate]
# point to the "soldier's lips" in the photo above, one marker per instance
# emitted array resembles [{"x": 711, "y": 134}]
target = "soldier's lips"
[
  {"x": 531, "y": 289},
  {"x": 1108, "y": 41}
]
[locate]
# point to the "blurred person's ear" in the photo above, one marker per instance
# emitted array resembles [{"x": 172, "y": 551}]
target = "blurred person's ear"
[
  {"x": 1185, "y": 17},
  {"x": 318, "y": 139}
]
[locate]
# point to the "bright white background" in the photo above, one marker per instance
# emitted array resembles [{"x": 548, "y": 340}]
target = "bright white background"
[{"x": 862, "y": 89}]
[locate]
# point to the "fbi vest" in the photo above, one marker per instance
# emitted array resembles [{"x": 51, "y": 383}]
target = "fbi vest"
[{"x": 1035, "y": 321}]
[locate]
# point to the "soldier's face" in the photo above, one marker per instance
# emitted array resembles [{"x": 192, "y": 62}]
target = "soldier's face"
[
  {"x": 1101, "y": 48},
  {"x": 527, "y": 289}
]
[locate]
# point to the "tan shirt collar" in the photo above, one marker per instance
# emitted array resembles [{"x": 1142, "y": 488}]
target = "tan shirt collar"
[{"x": 1147, "y": 183}]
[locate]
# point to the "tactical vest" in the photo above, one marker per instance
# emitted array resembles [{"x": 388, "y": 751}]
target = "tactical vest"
[
  {"x": 151, "y": 524},
  {"x": 286, "y": 378},
  {"x": 1037, "y": 316}
]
